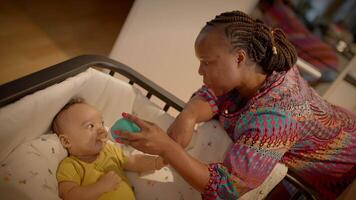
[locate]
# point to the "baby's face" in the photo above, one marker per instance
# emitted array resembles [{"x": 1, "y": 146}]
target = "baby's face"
[{"x": 84, "y": 129}]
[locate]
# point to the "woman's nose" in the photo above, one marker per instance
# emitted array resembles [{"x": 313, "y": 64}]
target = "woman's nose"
[{"x": 200, "y": 70}]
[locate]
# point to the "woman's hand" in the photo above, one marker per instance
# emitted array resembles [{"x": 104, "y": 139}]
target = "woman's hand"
[
  {"x": 154, "y": 140},
  {"x": 181, "y": 130},
  {"x": 151, "y": 139}
]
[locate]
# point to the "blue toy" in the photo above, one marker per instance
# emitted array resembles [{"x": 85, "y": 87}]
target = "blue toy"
[{"x": 123, "y": 125}]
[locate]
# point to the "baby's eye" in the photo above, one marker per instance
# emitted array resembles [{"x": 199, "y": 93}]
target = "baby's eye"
[
  {"x": 102, "y": 123},
  {"x": 90, "y": 126}
]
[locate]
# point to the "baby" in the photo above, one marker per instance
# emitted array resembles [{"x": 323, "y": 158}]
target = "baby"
[{"x": 94, "y": 168}]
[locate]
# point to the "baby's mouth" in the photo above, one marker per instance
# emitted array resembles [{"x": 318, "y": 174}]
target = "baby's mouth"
[{"x": 105, "y": 139}]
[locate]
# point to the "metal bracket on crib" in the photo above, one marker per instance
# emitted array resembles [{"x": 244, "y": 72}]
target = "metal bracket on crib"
[{"x": 302, "y": 189}]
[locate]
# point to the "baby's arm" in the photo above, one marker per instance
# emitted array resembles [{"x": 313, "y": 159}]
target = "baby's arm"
[
  {"x": 106, "y": 183},
  {"x": 142, "y": 163}
]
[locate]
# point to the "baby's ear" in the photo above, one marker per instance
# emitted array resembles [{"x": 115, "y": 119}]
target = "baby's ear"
[{"x": 64, "y": 141}]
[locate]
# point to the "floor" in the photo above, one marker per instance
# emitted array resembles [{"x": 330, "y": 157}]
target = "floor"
[{"x": 39, "y": 33}]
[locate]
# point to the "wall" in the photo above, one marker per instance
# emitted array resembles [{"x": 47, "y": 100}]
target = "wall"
[
  {"x": 341, "y": 92},
  {"x": 158, "y": 37}
]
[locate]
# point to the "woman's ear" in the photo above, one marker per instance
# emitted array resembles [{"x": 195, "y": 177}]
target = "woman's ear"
[
  {"x": 240, "y": 56},
  {"x": 65, "y": 141}
]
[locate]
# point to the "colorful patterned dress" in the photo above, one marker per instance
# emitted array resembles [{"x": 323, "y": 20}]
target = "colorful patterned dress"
[{"x": 288, "y": 122}]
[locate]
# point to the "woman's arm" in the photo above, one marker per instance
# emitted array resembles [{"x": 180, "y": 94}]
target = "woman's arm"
[
  {"x": 192, "y": 170},
  {"x": 247, "y": 163},
  {"x": 142, "y": 163}
]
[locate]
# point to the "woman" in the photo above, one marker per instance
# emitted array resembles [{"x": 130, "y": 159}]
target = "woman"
[{"x": 265, "y": 106}]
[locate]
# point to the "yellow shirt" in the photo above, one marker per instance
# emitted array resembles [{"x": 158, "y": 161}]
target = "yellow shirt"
[{"x": 110, "y": 158}]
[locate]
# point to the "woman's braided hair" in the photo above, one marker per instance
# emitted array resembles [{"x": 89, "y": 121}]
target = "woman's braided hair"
[{"x": 267, "y": 47}]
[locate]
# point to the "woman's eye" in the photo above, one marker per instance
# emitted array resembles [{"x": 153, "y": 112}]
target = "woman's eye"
[{"x": 204, "y": 62}]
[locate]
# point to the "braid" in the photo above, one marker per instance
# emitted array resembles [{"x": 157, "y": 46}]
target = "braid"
[{"x": 269, "y": 48}]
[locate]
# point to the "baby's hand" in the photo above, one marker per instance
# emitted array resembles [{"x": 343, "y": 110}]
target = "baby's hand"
[{"x": 109, "y": 181}]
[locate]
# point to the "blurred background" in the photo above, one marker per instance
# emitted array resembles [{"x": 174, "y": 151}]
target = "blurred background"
[
  {"x": 35, "y": 34},
  {"x": 156, "y": 38}
]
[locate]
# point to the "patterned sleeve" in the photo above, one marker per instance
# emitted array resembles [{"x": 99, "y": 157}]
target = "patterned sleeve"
[
  {"x": 209, "y": 96},
  {"x": 263, "y": 136}
]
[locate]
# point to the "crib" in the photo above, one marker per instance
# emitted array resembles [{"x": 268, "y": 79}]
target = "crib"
[{"x": 29, "y": 153}]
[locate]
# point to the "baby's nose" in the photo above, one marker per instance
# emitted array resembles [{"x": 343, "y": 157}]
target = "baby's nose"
[
  {"x": 101, "y": 130},
  {"x": 102, "y": 134}
]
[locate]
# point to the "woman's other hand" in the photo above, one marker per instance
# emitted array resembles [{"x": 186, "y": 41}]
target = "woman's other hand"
[
  {"x": 196, "y": 110},
  {"x": 181, "y": 130}
]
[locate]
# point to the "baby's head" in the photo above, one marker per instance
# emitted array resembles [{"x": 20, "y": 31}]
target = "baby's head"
[{"x": 80, "y": 128}]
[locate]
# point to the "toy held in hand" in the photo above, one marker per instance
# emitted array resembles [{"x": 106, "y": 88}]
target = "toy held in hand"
[{"x": 123, "y": 125}]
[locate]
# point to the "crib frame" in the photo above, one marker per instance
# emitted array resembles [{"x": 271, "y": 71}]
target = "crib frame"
[
  {"x": 31, "y": 83},
  {"x": 16, "y": 89}
]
